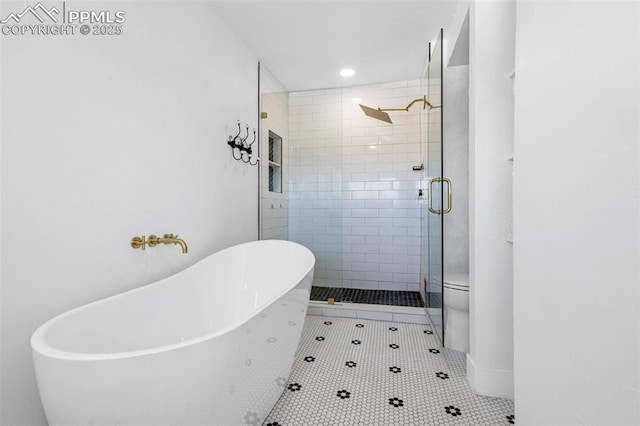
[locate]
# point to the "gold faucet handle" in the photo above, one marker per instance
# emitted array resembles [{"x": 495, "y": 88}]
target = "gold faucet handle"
[
  {"x": 137, "y": 242},
  {"x": 152, "y": 240},
  {"x": 170, "y": 236}
]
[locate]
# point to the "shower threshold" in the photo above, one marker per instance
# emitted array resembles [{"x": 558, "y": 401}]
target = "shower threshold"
[{"x": 368, "y": 304}]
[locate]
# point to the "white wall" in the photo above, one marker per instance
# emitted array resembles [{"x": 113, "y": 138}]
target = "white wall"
[
  {"x": 491, "y": 61},
  {"x": 268, "y": 82},
  {"x": 576, "y": 213},
  {"x": 456, "y": 167},
  {"x": 456, "y": 36},
  {"x": 105, "y": 138},
  {"x": 315, "y": 180},
  {"x": 1, "y": 222}
]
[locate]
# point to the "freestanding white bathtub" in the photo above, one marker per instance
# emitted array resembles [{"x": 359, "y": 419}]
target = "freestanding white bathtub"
[{"x": 213, "y": 344}]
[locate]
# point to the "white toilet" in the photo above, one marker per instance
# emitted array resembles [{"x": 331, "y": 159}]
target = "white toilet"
[{"x": 456, "y": 310}]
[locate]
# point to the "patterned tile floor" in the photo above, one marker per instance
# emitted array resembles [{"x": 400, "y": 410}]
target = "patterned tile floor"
[
  {"x": 371, "y": 297},
  {"x": 351, "y": 371}
]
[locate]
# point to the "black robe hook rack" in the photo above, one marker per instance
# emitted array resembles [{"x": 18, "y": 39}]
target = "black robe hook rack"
[{"x": 241, "y": 149}]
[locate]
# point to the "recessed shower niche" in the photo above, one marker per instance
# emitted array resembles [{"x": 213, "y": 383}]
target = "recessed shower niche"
[{"x": 275, "y": 163}]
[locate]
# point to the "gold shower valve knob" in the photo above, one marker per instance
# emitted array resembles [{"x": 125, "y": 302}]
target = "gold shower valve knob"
[{"x": 137, "y": 242}]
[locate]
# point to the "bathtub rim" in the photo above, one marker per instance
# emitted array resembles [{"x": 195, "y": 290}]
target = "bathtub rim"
[{"x": 40, "y": 347}]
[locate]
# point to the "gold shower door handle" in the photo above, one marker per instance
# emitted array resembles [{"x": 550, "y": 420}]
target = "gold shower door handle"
[
  {"x": 448, "y": 195},
  {"x": 430, "y": 205}
]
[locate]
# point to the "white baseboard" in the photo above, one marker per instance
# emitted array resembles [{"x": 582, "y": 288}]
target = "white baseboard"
[{"x": 489, "y": 381}]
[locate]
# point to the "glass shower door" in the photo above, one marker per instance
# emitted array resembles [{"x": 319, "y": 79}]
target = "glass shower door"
[
  {"x": 273, "y": 167},
  {"x": 301, "y": 177},
  {"x": 432, "y": 208}
]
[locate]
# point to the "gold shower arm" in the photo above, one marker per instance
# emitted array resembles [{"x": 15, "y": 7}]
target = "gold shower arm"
[
  {"x": 423, "y": 99},
  {"x": 380, "y": 114}
]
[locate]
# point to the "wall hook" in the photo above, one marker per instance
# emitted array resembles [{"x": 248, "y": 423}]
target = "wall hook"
[{"x": 241, "y": 149}]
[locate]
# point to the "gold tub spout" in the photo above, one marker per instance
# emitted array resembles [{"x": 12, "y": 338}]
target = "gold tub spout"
[{"x": 167, "y": 239}]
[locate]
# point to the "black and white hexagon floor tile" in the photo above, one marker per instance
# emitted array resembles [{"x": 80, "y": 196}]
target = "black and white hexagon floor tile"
[{"x": 395, "y": 375}]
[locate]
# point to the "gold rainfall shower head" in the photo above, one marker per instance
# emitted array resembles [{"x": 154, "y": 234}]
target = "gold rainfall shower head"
[{"x": 380, "y": 114}]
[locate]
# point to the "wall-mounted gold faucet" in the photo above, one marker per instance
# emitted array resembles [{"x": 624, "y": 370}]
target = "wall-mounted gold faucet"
[{"x": 153, "y": 240}]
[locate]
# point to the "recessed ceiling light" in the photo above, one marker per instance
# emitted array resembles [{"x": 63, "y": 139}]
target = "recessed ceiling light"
[{"x": 347, "y": 72}]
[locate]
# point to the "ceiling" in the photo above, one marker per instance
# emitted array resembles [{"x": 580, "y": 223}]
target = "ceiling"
[{"x": 305, "y": 43}]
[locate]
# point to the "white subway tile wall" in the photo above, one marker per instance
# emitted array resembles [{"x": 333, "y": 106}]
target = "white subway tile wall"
[
  {"x": 315, "y": 179},
  {"x": 353, "y": 194},
  {"x": 274, "y": 209}
]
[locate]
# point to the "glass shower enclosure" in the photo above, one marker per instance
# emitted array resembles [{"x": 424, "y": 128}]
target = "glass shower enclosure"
[
  {"x": 345, "y": 185},
  {"x": 301, "y": 178},
  {"x": 436, "y": 199}
]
